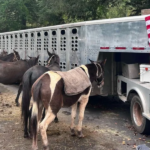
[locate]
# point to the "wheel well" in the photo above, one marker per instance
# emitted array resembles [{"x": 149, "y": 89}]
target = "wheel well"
[{"x": 131, "y": 94}]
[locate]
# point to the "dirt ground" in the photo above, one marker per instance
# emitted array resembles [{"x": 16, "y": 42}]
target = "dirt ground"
[{"x": 106, "y": 126}]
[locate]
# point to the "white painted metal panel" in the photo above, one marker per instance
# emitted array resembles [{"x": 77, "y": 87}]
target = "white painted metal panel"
[{"x": 128, "y": 33}]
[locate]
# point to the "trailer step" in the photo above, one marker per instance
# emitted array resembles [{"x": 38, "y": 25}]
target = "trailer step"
[
  {"x": 123, "y": 98},
  {"x": 147, "y": 115}
]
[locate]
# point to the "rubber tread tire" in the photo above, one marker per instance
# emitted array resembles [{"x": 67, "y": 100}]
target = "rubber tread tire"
[{"x": 145, "y": 127}]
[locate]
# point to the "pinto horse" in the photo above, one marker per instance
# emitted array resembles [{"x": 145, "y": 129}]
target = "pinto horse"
[
  {"x": 10, "y": 57},
  {"x": 48, "y": 92},
  {"x": 30, "y": 76}
]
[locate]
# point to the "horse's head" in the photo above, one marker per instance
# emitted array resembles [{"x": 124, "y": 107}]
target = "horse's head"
[
  {"x": 53, "y": 58},
  {"x": 99, "y": 76},
  {"x": 4, "y": 52},
  {"x": 16, "y": 56},
  {"x": 33, "y": 60}
]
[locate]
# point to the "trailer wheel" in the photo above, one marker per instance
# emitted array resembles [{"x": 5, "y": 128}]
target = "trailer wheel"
[{"x": 140, "y": 123}]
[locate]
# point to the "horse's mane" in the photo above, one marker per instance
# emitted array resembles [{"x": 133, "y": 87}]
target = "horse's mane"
[
  {"x": 24, "y": 59},
  {"x": 6, "y": 56}
]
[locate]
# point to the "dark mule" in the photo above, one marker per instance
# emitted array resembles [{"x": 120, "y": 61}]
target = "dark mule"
[
  {"x": 48, "y": 92},
  {"x": 30, "y": 76},
  {"x": 10, "y": 57},
  {"x": 3, "y": 53},
  {"x": 12, "y": 72}
]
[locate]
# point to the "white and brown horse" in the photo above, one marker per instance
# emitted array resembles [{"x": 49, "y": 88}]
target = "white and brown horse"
[
  {"x": 29, "y": 77},
  {"x": 48, "y": 92}
]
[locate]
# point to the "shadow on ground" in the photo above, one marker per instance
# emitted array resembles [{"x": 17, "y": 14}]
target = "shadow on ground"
[{"x": 106, "y": 126}]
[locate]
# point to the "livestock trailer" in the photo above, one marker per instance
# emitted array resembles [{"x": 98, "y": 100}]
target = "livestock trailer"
[{"x": 122, "y": 41}]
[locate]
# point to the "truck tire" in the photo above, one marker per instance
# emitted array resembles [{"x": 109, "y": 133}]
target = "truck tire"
[{"x": 140, "y": 123}]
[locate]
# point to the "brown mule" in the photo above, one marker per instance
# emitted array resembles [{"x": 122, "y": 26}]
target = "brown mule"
[
  {"x": 48, "y": 92},
  {"x": 10, "y": 57},
  {"x": 12, "y": 72}
]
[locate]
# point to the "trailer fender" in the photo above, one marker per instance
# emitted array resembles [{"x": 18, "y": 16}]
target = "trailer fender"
[{"x": 139, "y": 93}]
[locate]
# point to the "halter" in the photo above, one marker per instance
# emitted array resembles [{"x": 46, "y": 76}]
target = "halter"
[
  {"x": 97, "y": 73},
  {"x": 48, "y": 63},
  {"x": 15, "y": 57}
]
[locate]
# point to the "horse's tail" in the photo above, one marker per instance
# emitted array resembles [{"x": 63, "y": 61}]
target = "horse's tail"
[
  {"x": 36, "y": 98},
  {"x": 26, "y": 96}
]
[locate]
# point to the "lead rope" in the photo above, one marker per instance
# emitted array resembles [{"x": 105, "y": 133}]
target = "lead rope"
[
  {"x": 98, "y": 75},
  {"x": 15, "y": 57},
  {"x": 50, "y": 60},
  {"x": 100, "y": 89}
]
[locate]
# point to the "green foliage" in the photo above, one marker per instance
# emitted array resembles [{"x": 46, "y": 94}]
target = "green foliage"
[
  {"x": 50, "y": 12},
  {"x": 138, "y": 5},
  {"x": 15, "y": 14},
  {"x": 118, "y": 9},
  {"x": 23, "y": 14}
]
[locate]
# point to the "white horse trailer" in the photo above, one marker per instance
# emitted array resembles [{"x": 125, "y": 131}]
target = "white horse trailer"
[{"x": 121, "y": 40}]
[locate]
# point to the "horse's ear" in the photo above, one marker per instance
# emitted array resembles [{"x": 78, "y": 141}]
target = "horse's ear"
[
  {"x": 14, "y": 51},
  {"x": 104, "y": 62},
  {"x": 53, "y": 50},
  {"x": 48, "y": 53},
  {"x": 91, "y": 61}
]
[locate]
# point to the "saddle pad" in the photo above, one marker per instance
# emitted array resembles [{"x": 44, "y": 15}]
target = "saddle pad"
[{"x": 75, "y": 81}]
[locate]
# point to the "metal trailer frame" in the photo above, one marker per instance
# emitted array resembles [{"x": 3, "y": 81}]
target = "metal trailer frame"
[
  {"x": 76, "y": 43},
  {"x": 142, "y": 89},
  {"x": 84, "y": 39}
]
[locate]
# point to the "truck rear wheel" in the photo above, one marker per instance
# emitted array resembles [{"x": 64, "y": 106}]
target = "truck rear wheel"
[{"x": 141, "y": 124}]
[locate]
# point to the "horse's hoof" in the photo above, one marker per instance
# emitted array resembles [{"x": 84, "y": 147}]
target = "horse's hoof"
[
  {"x": 73, "y": 133},
  {"x": 46, "y": 147},
  {"x": 56, "y": 121},
  {"x": 80, "y": 134},
  {"x": 30, "y": 137},
  {"x": 26, "y": 135},
  {"x": 17, "y": 104},
  {"x": 34, "y": 147}
]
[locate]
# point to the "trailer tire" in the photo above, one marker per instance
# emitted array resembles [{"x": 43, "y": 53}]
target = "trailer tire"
[{"x": 140, "y": 123}]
